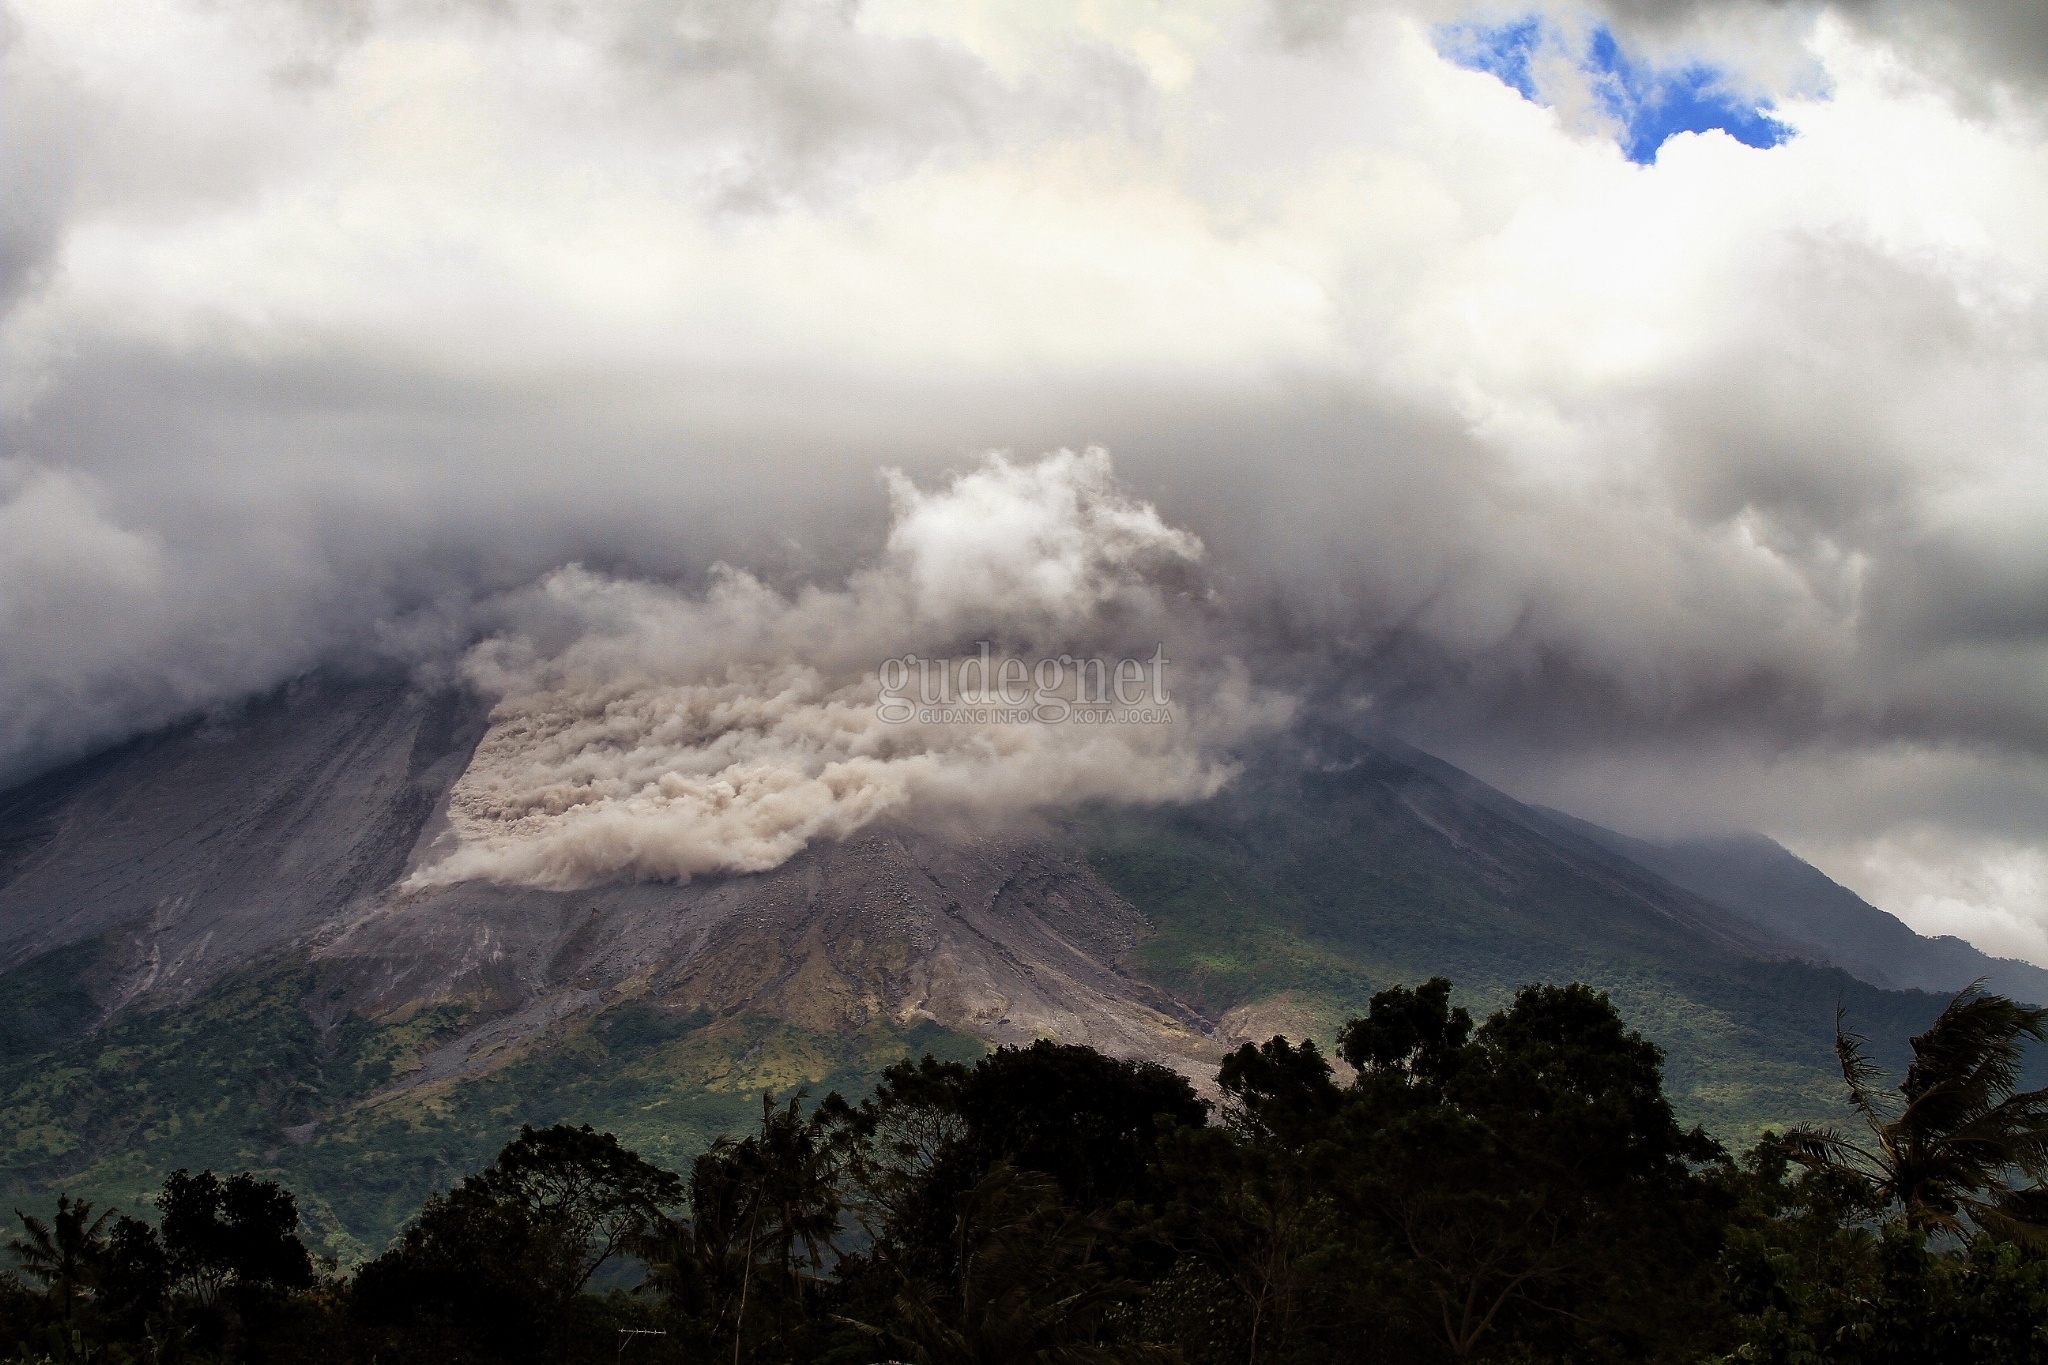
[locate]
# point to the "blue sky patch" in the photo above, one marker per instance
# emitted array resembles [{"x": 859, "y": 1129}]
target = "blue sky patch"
[
  {"x": 1502, "y": 50},
  {"x": 1648, "y": 103}
]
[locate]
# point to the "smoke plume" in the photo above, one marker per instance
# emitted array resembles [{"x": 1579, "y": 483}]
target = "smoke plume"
[{"x": 648, "y": 732}]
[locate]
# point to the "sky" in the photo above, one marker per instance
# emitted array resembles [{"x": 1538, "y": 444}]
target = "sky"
[{"x": 1639, "y": 404}]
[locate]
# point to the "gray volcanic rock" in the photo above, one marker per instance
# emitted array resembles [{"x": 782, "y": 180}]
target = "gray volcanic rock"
[
  {"x": 1001, "y": 935},
  {"x": 200, "y": 848},
  {"x": 284, "y": 832},
  {"x": 286, "y": 828},
  {"x": 210, "y": 953}
]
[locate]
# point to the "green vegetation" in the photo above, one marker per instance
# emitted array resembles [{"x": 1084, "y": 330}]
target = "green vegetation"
[
  {"x": 1327, "y": 910},
  {"x": 1519, "y": 1190},
  {"x": 49, "y": 1001},
  {"x": 212, "y": 1084},
  {"x": 1287, "y": 919},
  {"x": 244, "y": 1078}
]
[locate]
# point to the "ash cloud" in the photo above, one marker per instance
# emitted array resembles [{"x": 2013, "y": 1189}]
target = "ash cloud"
[
  {"x": 1686, "y": 495},
  {"x": 650, "y": 733}
]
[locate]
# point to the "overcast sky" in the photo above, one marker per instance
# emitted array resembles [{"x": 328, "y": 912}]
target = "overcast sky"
[{"x": 1641, "y": 406}]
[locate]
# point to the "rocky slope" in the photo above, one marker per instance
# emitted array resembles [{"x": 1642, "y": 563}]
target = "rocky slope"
[
  {"x": 212, "y": 957},
  {"x": 1006, "y": 936},
  {"x": 213, "y": 844},
  {"x": 1767, "y": 884}
]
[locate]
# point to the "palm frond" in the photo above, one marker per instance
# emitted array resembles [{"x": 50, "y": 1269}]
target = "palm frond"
[
  {"x": 1975, "y": 1049},
  {"x": 37, "y": 1251},
  {"x": 2013, "y": 1219},
  {"x": 1859, "y": 1073},
  {"x": 1955, "y": 1141},
  {"x": 1822, "y": 1146}
]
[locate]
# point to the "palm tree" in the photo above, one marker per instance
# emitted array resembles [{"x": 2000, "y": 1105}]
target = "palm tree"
[
  {"x": 1958, "y": 1144},
  {"x": 778, "y": 1191},
  {"x": 800, "y": 1186},
  {"x": 64, "y": 1256}
]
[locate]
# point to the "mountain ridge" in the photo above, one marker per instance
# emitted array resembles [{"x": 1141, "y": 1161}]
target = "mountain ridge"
[
  {"x": 213, "y": 958},
  {"x": 1760, "y": 879}
]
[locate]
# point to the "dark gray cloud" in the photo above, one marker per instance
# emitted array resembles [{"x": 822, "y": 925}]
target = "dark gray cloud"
[
  {"x": 1693, "y": 495},
  {"x": 1969, "y": 45}
]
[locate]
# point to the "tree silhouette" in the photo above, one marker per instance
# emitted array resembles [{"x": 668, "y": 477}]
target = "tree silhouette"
[
  {"x": 63, "y": 1255},
  {"x": 1958, "y": 1144},
  {"x": 239, "y": 1231},
  {"x": 490, "y": 1269},
  {"x": 1031, "y": 1284},
  {"x": 777, "y": 1190},
  {"x": 1263, "y": 1212},
  {"x": 1414, "y": 1036},
  {"x": 586, "y": 1192},
  {"x": 1526, "y": 1183}
]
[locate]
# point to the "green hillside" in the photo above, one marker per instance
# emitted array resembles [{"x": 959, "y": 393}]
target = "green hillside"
[
  {"x": 243, "y": 1079},
  {"x": 1352, "y": 893}
]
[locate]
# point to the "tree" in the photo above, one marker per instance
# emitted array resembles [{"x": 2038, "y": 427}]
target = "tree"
[
  {"x": 1413, "y": 1037},
  {"x": 239, "y": 1232},
  {"x": 902, "y": 1145},
  {"x": 1029, "y": 1285},
  {"x": 63, "y": 1255},
  {"x": 1091, "y": 1122},
  {"x": 1260, "y": 1219},
  {"x": 1277, "y": 1093},
  {"x": 586, "y": 1192},
  {"x": 471, "y": 1279},
  {"x": 488, "y": 1269},
  {"x": 1854, "y": 1296},
  {"x": 135, "y": 1273},
  {"x": 1959, "y": 1145},
  {"x": 1531, "y": 1182},
  {"x": 776, "y": 1190},
  {"x": 1095, "y": 1124},
  {"x": 1256, "y": 1208}
]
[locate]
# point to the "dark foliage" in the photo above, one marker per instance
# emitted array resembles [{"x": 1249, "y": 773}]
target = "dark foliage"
[
  {"x": 1959, "y": 1145},
  {"x": 1090, "y": 1122},
  {"x": 1514, "y": 1191},
  {"x": 235, "y": 1233},
  {"x": 223, "y": 1276},
  {"x": 492, "y": 1269}
]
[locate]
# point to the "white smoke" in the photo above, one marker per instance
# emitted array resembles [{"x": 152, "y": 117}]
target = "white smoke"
[{"x": 646, "y": 732}]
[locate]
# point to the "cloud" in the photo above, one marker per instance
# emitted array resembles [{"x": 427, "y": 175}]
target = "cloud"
[
  {"x": 1993, "y": 892},
  {"x": 1705, "y": 480},
  {"x": 1972, "y": 48},
  {"x": 108, "y": 629},
  {"x": 646, "y": 732}
]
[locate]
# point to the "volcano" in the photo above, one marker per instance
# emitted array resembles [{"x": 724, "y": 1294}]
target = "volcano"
[{"x": 213, "y": 955}]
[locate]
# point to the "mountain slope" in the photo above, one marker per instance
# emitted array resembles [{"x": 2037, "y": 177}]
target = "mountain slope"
[
  {"x": 213, "y": 961},
  {"x": 1316, "y": 883},
  {"x": 1767, "y": 884},
  {"x": 197, "y": 849}
]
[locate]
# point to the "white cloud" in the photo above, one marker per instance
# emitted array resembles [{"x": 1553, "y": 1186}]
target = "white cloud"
[
  {"x": 1993, "y": 892},
  {"x": 330, "y": 322},
  {"x": 107, "y": 628}
]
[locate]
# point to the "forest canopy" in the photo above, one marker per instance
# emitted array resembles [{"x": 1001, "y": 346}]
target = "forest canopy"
[{"x": 1438, "y": 1190}]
